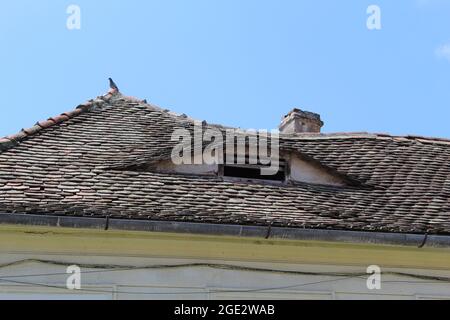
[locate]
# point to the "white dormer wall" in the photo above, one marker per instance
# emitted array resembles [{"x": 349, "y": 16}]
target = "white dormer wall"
[
  {"x": 298, "y": 170},
  {"x": 307, "y": 172}
]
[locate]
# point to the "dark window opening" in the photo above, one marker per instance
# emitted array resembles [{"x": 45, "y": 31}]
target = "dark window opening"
[{"x": 249, "y": 171}]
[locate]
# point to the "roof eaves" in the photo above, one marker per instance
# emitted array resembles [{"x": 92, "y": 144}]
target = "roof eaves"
[{"x": 287, "y": 233}]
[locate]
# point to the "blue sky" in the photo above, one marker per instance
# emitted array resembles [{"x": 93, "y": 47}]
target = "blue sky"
[{"x": 242, "y": 63}]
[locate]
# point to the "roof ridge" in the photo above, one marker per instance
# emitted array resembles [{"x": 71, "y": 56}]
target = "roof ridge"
[
  {"x": 113, "y": 95},
  {"x": 417, "y": 138},
  {"x": 367, "y": 135},
  {"x": 179, "y": 116},
  {"x": 11, "y": 141},
  {"x": 428, "y": 139}
]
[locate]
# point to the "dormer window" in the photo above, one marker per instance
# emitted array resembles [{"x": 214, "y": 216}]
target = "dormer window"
[
  {"x": 292, "y": 168},
  {"x": 254, "y": 171}
]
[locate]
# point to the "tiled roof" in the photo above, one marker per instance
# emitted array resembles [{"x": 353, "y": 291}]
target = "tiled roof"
[{"x": 67, "y": 166}]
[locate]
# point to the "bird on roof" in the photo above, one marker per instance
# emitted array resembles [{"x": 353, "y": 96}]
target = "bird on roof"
[{"x": 112, "y": 85}]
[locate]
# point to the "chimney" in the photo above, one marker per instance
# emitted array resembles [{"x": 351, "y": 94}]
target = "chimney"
[{"x": 298, "y": 121}]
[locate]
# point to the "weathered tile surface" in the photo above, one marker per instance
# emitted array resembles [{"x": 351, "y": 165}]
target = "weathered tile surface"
[{"x": 69, "y": 165}]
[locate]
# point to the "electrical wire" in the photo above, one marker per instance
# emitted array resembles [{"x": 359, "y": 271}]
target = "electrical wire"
[
  {"x": 175, "y": 293},
  {"x": 193, "y": 292},
  {"x": 105, "y": 268},
  {"x": 109, "y": 268},
  {"x": 343, "y": 276}
]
